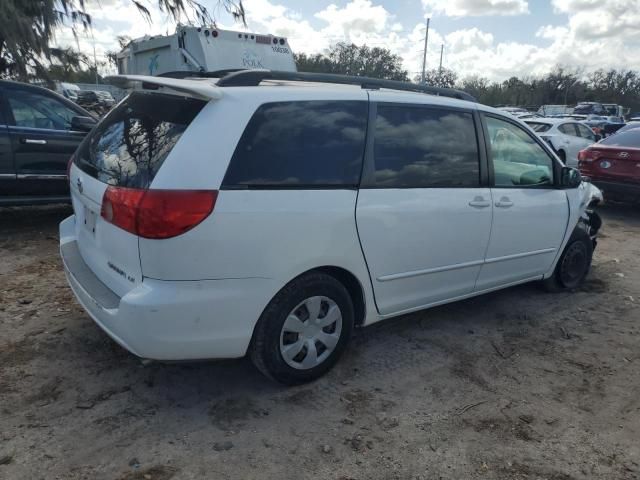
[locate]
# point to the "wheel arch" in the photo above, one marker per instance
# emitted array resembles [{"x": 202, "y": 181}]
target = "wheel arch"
[
  {"x": 353, "y": 286},
  {"x": 345, "y": 277}
]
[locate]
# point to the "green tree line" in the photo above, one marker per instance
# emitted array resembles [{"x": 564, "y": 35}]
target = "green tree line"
[{"x": 561, "y": 86}]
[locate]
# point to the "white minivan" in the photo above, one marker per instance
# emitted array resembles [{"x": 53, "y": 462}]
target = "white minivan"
[{"x": 270, "y": 213}]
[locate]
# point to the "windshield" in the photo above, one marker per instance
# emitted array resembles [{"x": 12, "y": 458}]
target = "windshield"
[
  {"x": 585, "y": 108},
  {"x": 630, "y": 138},
  {"x": 130, "y": 144},
  {"x": 539, "y": 127},
  {"x": 629, "y": 126}
]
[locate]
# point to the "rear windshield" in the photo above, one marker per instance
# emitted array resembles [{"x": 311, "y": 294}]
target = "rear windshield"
[
  {"x": 587, "y": 108},
  {"x": 630, "y": 138},
  {"x": 629, "y": 126},
  {"x": 129, "y": 145},
  {"x": 539, "y": 127}
]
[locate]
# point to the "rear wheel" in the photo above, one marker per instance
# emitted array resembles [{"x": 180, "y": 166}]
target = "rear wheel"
[
  {"x": 574, "y": 263},
  {"x": 304, "y": 329}
]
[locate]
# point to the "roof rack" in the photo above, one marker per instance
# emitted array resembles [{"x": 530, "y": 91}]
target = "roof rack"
[
  {"x": 180, "y": 74},
  {"x": 251, "y": 78}
]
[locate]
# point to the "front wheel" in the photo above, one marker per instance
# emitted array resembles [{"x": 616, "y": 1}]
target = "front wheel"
[
  {"x": 574, "y": 263},
  {"x": 304, "y": 329}
]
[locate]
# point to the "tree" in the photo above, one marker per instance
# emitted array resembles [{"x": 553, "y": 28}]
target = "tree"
[
  {"x": 440, "y": 77},
  {"x": 27, "y": 27},
  {"x": 615, "y": 86},
  {"x": 317, "y": 63},
  {"x": 351, "y": 59},
  {"x": 475, "y": 86},
  {"x": 112, "y": 56},
  {"x": 71, "y": 66}
]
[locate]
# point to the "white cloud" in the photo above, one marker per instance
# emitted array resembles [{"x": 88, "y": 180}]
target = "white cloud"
[
  {"x": 463, "y": 39},
  {"x": 358, "y": 16},
  {"x": 593, "y": 34},
  {"x": 460, "y": 8}
]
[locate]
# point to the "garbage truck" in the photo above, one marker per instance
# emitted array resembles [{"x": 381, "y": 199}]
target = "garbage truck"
[{"x": 204, "y": 49}]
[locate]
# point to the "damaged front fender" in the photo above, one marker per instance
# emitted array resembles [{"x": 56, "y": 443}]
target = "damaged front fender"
[{"x": 590, "y": 220}]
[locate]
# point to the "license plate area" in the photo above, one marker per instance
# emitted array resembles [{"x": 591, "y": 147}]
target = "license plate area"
[{"x": 89, "y": 220}]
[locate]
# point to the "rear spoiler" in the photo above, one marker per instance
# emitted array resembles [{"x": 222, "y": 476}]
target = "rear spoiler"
[{"x": 203, "y": 88}]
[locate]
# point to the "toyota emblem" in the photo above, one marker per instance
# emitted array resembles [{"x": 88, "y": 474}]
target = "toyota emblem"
[
  {"x": 79, "y": 184},
  {"x": 623, "y": 154}
]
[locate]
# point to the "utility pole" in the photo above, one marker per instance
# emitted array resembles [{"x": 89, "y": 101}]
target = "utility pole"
[
  {"x": 441, "y": 51},
  {"x": 424, "y": 53},
  {"x": 95, "y": 62}
]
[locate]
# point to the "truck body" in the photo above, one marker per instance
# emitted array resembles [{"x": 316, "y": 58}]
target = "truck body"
[{"x": 204, "y": 49}]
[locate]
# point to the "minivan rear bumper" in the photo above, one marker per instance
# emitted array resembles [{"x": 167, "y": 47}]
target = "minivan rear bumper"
[{"x": 168, "y": 320}]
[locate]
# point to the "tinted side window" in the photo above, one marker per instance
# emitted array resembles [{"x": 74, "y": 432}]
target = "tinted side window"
[
  {"x": 585, "y": 132},
  {"x": 539, "y": 127},
  {"x": 517, "y": 158},
  {"x": 568, "y": 129},
  {"x": 32, "y": 109},
  {"x": 425, "y": 147},
  {"x": 298, "y": 144}
]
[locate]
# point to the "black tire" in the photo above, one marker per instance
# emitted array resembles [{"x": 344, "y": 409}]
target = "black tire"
[
  {"x": 573, "y": 265},
  {"x": 265, "y": 351}
]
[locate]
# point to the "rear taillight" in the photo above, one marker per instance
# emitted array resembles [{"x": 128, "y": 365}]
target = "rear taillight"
[
  {"x": 156, "y": 213},
  {"x": 588, "y": 155}
]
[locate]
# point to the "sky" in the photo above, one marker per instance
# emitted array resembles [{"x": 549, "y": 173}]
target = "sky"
[{"x": 496, "y": 39}]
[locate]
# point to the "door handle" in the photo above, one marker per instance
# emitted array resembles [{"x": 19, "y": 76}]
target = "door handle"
[
  {"x": 34, "y": 141},
  {"x": 504, "y": 202},
  {"x": 479, "y": 202}
]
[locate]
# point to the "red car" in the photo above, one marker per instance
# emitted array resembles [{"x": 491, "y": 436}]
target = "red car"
[{"x": 613, "y": 165}]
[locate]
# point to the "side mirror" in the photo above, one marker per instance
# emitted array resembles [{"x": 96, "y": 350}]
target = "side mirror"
[
  {"x": 82, "y": 124},
  {"x": 570, "y": 177}
]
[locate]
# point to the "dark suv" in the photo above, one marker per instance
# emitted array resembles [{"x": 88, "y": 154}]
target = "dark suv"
[
  {"x": 589, "y": 108},
  {"x": 39, "y": 131}
]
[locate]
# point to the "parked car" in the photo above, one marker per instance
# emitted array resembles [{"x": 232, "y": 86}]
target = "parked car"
[
  {"x": 215, "y": 218},
  {"x": 628, "y": 126},
  {"x": 96, "y": 101},
  {"x": 527, "y": 116},
  {"x": 39, "y": 130},
  {"x": 612, "y": 126},
  {"x": 106, "y": 98},
  {"x": 68, "y": 90},
  {"x": 554, "y": 110},
  {"x": 566, "y": 136},
  {"x": 589, "y": 108},
  {"x": 597, "y": 123},
  {"x": 515, "y": 111},
  {"x": 614, "y": 164}
]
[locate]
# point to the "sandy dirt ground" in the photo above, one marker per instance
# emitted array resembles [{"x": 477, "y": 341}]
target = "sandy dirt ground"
[{"x": 519, "y": 384}]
